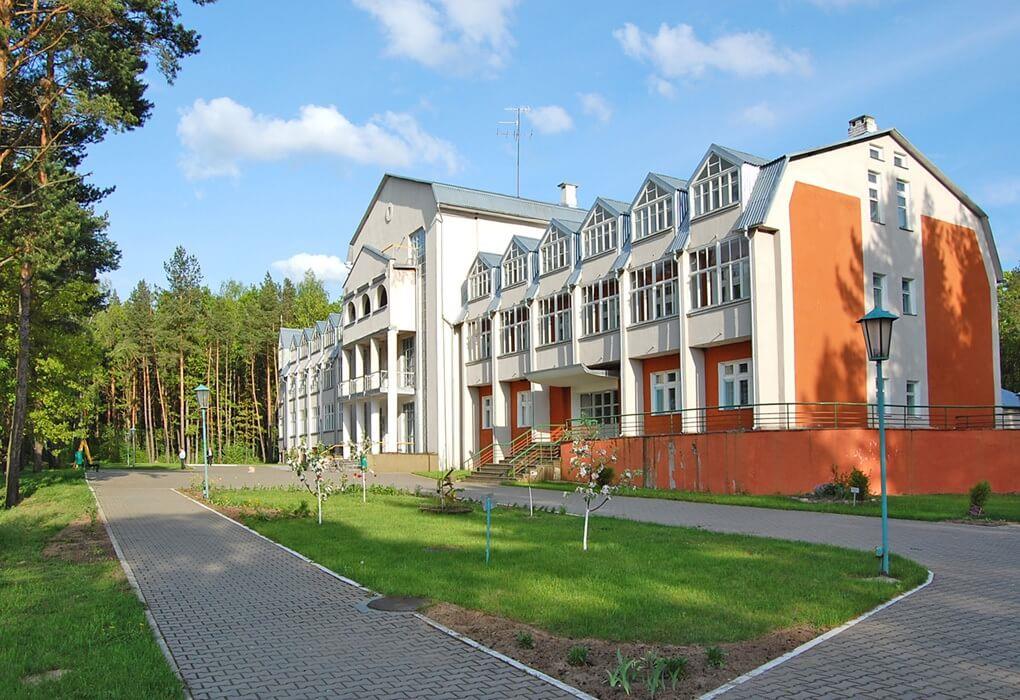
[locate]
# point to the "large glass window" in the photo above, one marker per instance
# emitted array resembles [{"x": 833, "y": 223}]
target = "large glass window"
[
  {"x": 602, "y": 406},
  {"x": 600, "y": 234},
  {"x": 873, "y": 190},
  {"x": 600, "y": 307},
  {"x": 554, "y": 318},
  {"x": 653, "y": 291},
  {"x": 653, "y": 212},
  {"x": 717, "y": 186},
  {"x": 665, "y": 388},
  {"x": 555, "y": 250},
  {"x": 515, "y": 266},
  {"x": 479, "y": 339},
  {"x": 735, "y": 384},
  {"x": 903, "y": 203},
  {"x": 514, "y": 333},
  {"x": 720, "y": 273},
  {"x": 525, "y": 409},
  {"x": 479, "y": 281}
]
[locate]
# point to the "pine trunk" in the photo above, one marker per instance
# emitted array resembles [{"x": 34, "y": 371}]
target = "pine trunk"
[
  {"x": 258, "y": 416},
  {"x": 20, "y": 386}
]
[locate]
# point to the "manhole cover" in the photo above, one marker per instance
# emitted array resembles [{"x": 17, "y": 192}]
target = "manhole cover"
[{"x": 398, "y": 603}]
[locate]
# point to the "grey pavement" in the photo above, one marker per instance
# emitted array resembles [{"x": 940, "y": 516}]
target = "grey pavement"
[{"x": 244, "y": 618}]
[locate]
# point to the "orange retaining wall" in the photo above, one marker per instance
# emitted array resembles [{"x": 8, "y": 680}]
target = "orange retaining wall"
[{"x": 795, "y": 461}]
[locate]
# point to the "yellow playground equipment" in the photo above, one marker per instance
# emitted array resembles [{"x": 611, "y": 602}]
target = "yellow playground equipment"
[{"x": 83, "y": 447}]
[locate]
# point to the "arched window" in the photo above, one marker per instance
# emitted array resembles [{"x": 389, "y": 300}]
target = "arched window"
[
  {"x": 366, "y": 305},
  {"x": 380, "y": 298},
  {"x": 352, "y": 315}
]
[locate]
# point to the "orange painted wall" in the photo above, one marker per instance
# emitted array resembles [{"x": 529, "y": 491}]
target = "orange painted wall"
[
  {"x": 958, "y": 316},
  {"x": 669, "y": 423},
  {"x": 484, "y": 434},
  {"x": 559, "y": 404},
  {"x": 730, "y": 419},
  {"x": 828, "y": 295},
  {"x": 516, "y": 388},
  {"x": 795, "y": 461}
]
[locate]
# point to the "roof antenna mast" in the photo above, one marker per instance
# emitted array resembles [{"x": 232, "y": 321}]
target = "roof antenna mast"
[{"x": 515, "y": 133}]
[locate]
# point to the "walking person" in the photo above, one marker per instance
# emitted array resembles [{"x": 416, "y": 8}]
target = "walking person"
[{"x": 182, "y": 455}]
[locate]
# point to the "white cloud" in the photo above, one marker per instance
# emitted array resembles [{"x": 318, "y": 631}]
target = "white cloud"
[
  {"x": 551, "y": 119},
  {"x": 595, "y": 105},
  {"x": 661, "y": 87},
  {"x": 760, "y": 114},
  {"x": 219, "y": 134},
  {"x": 676, "y": 52},
  {"x": 328, "y": 268},
  {"x": 462, "y": 35},
  {"x": 1002, "y": 193}
]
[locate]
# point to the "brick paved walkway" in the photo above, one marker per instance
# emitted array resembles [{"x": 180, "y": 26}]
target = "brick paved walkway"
[
  {"x": 957, "y": 638},
  {"x": 245, "y": 618}
]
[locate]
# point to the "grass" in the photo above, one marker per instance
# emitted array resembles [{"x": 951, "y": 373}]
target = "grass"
[
  {"x": 458, "y": 474},
  {"x": 931, "y": 507},
  {"x": 83, "y": 618},
  {"x": 638, "y": 581}
]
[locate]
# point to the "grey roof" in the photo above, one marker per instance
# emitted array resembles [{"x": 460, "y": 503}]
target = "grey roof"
[
  {"x": 762, "y": 194},
  {"x": 529, "y": 244},
  {"x": 320, "y": 326},
  {"x": 375, "y": 252},
  {"x": 614, "y": 205},
  {"x": 308, "y": 333},
  {"x": 493, "y": 304},
  {"x": 683, "y": 232},
  {"x": 532, "y": 291},
  {"x": 490, "y": 259},
  {"x": 289, "y": 335},
  {"x": 741, "y": 156},
  {"x": 569, "y": 226},
  {"x": 336, "y": 319},
  {"x": 667, "y": 181},
  {"x": 574, "y": 278}
]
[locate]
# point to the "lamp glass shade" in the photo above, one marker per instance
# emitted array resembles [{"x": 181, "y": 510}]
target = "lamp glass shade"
[
  {"x": 877, "y": 326},
  {"x": 202, "y": 394}
]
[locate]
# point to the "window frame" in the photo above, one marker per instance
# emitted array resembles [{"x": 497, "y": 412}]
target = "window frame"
[
  {"x": 554, "y": 319},
  {"x": 903, "y": 208},
  {"x": 602, "y": 227},
  {"x": 603, "y": 412},
  {"x": 714, "y": 184},
  {"x": 479, "y": 281},
  {"x": 525, "y": 409},
  {"x": 486, "y": 412},
  {"x": 708, "y": 273},
  {"x": 736, "y": 378},
  {"x": 555, "y": 247},
  {"x": 878, "y": 290},
  {"x": 655, "y": 205},
  {"x": 654, "y": 292},
  {"x": 660, "y": 384},
  {"x": 874, "y": 196},
  {"x": 479, "y": 339},
  {"x": 900, "y": 160},
  {"x": 910, "y": 397},
  {"x": 875, "y": 148},
  {"x": 515, "y": 266},
  {"x": 600, "y": 308},
  {"x": 907, "y": 304},
  {"x": 515, "y": 335}
]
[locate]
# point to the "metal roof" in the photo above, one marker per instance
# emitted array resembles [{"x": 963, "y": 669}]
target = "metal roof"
[
  {"x": 741, "y": 156},
  {"x": 529, "y": 244},
  {"x": 762, "y": 193},
  {"x": 481, "y": 200},
  {"x": 490, "y": 260},
  {"x": 667, "y": 181},
  {"x": 288, "y": 335},
  {"x": 614, "y": 205}
]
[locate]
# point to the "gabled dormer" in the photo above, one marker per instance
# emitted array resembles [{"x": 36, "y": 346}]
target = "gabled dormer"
[
  {"x": 558, "y": 247},
  {"x": 604, "y": 229},
  {"x": 518, "y": 264},
  {"x": 659, "y": 207},
  {"x": 719, "y": 180},
  {"x": 483, "y": 277}
]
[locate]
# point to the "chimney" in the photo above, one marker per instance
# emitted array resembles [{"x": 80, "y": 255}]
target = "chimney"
[
  {"x": 864, "y": 124},
  {"x": 568, "y": 194}
]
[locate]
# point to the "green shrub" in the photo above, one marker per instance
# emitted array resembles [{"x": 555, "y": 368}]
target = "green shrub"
[
  {"x": 861, "y": 481},
  {"x": 578, "y": 655},
  {"x": 302, "y": 510},
  {"x": 676, "y": 667},
  {"x": 716, "y": 657},
  {"x": 979, "y": 494},
  {"x": 524, "y": 640}
]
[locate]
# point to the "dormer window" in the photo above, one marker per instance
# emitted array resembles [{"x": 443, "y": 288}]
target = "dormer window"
[
  {"x": 515, "y": 266},
  {"x": 717, "y": 186},
  {"x": 653, "y": 212},
  {"x": 479, "y": 281},
  {"x": 555, "y": 250},
  {"x": 600, "y": 234}
]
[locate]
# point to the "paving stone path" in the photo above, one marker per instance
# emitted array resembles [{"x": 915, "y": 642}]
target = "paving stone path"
[{"x": 244, "y": 618}]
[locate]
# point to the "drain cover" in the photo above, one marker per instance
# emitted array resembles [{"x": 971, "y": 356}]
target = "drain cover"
[{"x": 398, "y": 603}]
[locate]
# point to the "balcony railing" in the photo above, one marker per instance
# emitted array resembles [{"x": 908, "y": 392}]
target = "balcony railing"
[{"x": 376, "y": 382}]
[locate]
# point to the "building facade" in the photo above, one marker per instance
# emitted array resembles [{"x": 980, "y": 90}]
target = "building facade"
[{"x": 715, "y": 301}]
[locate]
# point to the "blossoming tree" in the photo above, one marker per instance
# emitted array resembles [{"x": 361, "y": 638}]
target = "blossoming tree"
[
  {"x": 595, "y": 470},
  {"x": 320, "y": 471}
]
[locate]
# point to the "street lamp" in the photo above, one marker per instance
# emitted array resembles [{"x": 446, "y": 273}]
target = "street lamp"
[
  {"x": 877, "y": 327},
  {"x": 202, "y": 394}
]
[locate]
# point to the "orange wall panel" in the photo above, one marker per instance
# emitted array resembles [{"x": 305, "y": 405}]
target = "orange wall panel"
[
  {"x": 957, "y": 316},
  {"x": 828, "y": 295},
  {"x": 516, "y": 388},
  {"x": 732, "y": 418},
  {"x": 661, "y": 423},
  {"x": 484, "y": 434}
]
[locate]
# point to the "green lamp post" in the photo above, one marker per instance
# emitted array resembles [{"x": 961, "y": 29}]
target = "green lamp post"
[
  {"x": 202, "y": 394},
  {"x": 877, "y": 326}
]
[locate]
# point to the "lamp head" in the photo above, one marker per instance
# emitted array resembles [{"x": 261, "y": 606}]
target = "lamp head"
[
  {"x": 202, "y": 394},
  {"x": 877, "y": 326}
]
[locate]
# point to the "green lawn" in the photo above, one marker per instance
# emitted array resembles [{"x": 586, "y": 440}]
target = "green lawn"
[
  {"x": 1003, "y": 506},
  {"x": 82, "y": 618},
  {"x": 638, "y": 581},
  {"x": 458, "y": 474}
]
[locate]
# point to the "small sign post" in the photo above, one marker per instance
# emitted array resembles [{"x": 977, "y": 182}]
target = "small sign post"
[
  {"x": 854, "y": 490},
  {"x": 364, "y": 488},
  {"x": 488, "y": 527},
  {"x": 532, "y": 475}
]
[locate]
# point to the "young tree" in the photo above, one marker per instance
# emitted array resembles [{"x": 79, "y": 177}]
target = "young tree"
[
  {"x": 594, "y": 468},
  {"x": 1009, "y": 329}
]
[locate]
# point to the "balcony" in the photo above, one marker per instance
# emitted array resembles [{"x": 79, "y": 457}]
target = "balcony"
[{"x": 377, "y": 383}]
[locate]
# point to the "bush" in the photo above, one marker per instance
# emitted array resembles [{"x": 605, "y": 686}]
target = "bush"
[
  {"x": 578, "y": 655},
  {"x": 839, "y": 488},
  {"x": 524, "y": 640},
  {"x": 861, "y": 481},
  {"x": 979, "y": 494},
  {"x": 716, "y": 657}
]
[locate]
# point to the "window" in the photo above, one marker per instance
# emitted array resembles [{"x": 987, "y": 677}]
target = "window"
[
  {"x": 721, "y": 273},
  {"x": 902, "y": 203},
  {"x": 600, "y": 307},
  {"x": 352, "y": 315},
  {"x": 900, "y": 160},
  {"x": 653, "y": 212},
  {"x": 330, "y": 421},
  {"x": 515, "y": 266},
  {"x": 486, "y": 413},
  {"x": 873, "y": 189},
  {"x": 366, "y": 305},
  {"x": 479, "y": 339},
  {"x": 602, "y": 406},
  {"x": 554, "y": 318},
  {"x": 907, "y": 291},
  {"x": 381, "y": 299},
  {"x": 599, "y": 235},
  {"x": 555, "y": 250},
  {"x": 479, "y": 281},
  {"x": 735, "y": 384},
  {"x": 514, "y": 334},
  {"x": 665, "y": 388},
  {"x": 878, "y": 290},
  {"x": 717, "y": 187},
  {"x": 876, "y": 152},
  {"x": 525, "y": 409},
  {"x": 653, "y": 291},
  {"x": 911, "y": 398},
  {"x": 416, "y": 247}
]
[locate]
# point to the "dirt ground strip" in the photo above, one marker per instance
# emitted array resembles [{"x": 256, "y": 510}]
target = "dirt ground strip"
[
  {"x": 83, "y": 541},
  {"x": 549, "y": 654}
]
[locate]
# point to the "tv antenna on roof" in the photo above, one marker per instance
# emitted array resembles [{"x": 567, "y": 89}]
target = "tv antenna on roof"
[{"x": 515, "y": 133}]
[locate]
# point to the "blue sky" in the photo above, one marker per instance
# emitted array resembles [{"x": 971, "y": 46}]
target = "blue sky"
[{"x": 274, "y": 137}]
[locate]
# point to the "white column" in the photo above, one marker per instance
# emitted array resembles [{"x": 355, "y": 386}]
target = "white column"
[
  {"x": 390, "y": 440},
  {"x": 629, "y": 400},
  {"x": 500, "y": 419}
]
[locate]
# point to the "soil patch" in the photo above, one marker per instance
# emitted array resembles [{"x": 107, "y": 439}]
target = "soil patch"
[
  {"x": 45, "y": 676},
  {"x": 980, "y": 522},
  {"x": 83, "y": 541},
  {"x": 549, "y": 654}
]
